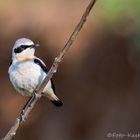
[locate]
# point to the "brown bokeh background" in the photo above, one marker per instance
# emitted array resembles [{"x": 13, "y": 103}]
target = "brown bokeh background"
[{"x": 98, "y": 80}]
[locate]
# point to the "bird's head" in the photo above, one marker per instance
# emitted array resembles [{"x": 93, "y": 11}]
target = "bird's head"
[{"x": 23, "y": 49}]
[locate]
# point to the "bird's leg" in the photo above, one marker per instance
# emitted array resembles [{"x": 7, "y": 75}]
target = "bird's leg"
[
  {"x": 29, "y": 103},
  {"x": 24, "y": 108}
]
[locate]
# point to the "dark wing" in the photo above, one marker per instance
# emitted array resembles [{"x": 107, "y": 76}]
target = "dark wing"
[
  {"x": 42, "y": 65},
  {"x": 10, "y": 63},
  {"x": 53, "y": 87}
]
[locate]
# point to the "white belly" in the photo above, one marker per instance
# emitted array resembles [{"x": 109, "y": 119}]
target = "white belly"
[{"x": 26, "y": 76}]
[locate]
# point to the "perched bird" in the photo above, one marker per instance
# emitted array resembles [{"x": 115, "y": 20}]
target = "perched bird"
[{"x": 26, "y": 71}]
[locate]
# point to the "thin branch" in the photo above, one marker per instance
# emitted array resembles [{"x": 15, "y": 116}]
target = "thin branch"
[{"x": 37, "y": 93}]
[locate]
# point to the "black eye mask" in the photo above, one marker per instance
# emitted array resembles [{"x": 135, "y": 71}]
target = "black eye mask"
[{"x": 22, "y": 48}]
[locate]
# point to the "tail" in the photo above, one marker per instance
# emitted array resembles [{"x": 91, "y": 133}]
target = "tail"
[
  {"x": 57, "y": 103},
  {"x": 54, "y": 99}
]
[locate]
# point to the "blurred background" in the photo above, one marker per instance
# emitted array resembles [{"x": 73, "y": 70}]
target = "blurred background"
[{"x": 98, "y": 80}]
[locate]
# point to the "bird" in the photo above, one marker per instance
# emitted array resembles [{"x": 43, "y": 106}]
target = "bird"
[{"x": 26, "y": 71}]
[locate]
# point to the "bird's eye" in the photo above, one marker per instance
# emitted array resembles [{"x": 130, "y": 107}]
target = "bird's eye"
[
  {"x": 18, "y": 50},
  {"x": 21, "y": 48}
]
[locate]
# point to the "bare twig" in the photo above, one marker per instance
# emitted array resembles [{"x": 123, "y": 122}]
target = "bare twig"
[{"x": 37, "y": 93}]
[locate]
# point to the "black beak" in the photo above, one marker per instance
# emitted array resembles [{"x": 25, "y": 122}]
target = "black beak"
[{"x": 35, "y": 45}]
